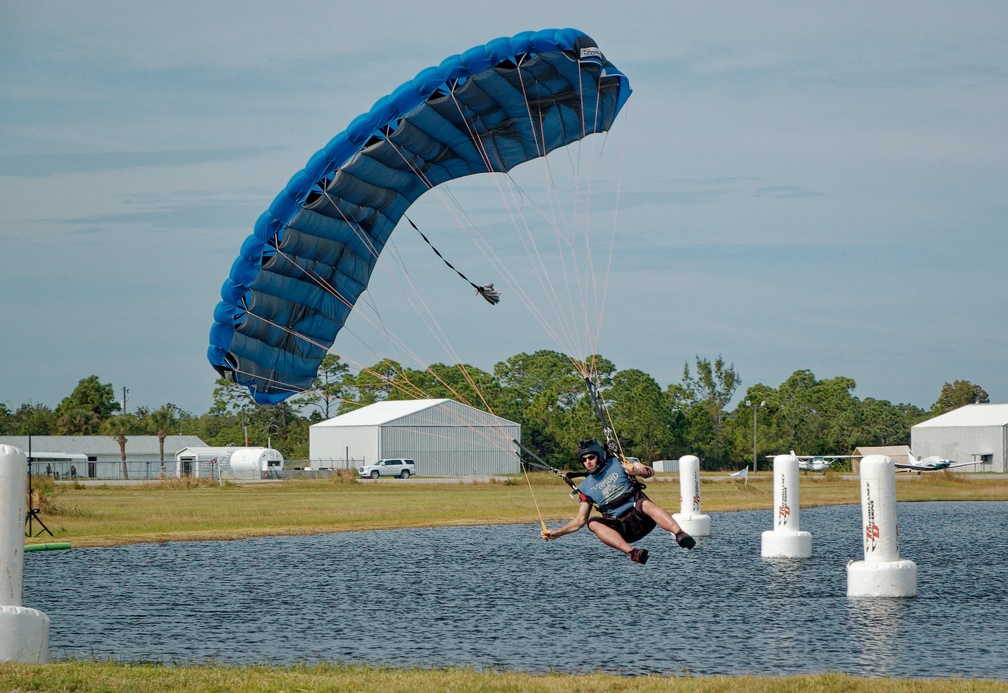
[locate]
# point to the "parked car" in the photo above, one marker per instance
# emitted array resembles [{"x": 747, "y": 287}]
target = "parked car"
[{"x": 393, "y": 467}]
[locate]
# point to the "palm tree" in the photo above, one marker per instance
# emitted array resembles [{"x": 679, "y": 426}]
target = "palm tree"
[
  {"x": 163, "y": 422},
  {"x": 118, "y": 427}
]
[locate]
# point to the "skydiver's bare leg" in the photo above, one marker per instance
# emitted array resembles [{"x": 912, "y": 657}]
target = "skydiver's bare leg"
[
  {"x": 661, "y": 517},
  {"x": 665, "y": 520},
  {"x": 609, "y": 537}
]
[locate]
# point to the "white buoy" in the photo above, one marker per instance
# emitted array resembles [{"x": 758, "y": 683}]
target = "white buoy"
[
  {"x": 24, "y": 633},
  {"x": 689, "y": 516},
  {"x": 881, "y": 573},
  {"x": 786, "y": 540}
]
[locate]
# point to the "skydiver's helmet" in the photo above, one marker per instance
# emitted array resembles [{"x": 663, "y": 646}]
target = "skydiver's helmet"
[{"x": 592, "y": 445}]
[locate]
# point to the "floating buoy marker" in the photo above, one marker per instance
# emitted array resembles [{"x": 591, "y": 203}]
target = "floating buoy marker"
[
  {"x": 786, "y": 540},
  {"x": 881, "y": 573},
  {"x": 24, "y": 632},
  {"x": 689, "y": 516}
]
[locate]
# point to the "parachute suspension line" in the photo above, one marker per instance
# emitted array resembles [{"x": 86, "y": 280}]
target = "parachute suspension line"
[
  {"x": 474, "y": 136},
  {"x": 439, "y": 333},
  {"x": 384, "y": 329},
  {"x": 584, "y": 127},
  {"x": 278, "y": 384},
  {"x": 324, "y": 285},
  {"x": 563, "y": 318},
  {"x": 612, "y": 251},
  {"x": 317, "y": 278},
  {"x": 591, "y": 335},
  {"x": 486, "y": 248},
  {"x": 612, "y": 440},
  {"x": 488, "y": 292},
  {"x": 601, "y": 300},
  {"x": 402, "y": 383},
  {"x": 538, "y": 133},
  {"x": 447, "y": 346},
  {"x": 394, "y": 340},
  {"x": 586, "y": 290}
]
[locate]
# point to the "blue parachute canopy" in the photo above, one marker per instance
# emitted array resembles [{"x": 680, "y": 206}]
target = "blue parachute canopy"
[{"x": 312, "y": 252}]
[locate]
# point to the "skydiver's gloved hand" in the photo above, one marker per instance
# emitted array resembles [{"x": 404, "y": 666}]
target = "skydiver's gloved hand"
[{"x": 684, "y": 540}]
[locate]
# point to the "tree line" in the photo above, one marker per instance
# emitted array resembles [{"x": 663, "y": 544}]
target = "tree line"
[{"x": 542, "y": 391}]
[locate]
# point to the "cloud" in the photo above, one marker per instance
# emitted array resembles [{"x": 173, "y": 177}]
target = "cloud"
[
  {"x": 786, "y": 191},
  {"x": 38, "y": 165}
]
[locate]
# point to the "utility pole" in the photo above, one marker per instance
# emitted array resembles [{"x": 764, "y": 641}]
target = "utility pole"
[
  {"x": 755, "y": 415},
  {"x": 124, "y": 400}
]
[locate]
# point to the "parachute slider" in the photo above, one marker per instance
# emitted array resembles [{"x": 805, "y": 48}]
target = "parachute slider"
[
  {"x": 491, "y": 295},
  {"x": 487, "y": 291}
]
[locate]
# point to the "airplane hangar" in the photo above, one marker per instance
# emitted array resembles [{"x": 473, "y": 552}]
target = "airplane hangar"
[
  {"x": 975, "y": 433},
  {"x": 443, "y": 437}
]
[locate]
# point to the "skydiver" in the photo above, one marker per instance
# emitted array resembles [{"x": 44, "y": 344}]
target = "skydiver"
[{"x": 627, "y": 514}]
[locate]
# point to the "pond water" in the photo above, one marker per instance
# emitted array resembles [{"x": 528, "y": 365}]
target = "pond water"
[{"x": 500, "y": 597}]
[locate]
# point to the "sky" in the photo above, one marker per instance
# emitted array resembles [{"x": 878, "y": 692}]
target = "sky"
[{"x": 815, "y": 186}]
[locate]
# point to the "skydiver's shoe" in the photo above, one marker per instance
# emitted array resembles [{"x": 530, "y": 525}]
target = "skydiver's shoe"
[
  {"x": 684, "y": 540},
  {"x": 638, "y": 556}
]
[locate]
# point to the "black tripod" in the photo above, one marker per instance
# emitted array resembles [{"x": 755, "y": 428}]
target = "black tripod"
[{"x": 33, "y": 512}]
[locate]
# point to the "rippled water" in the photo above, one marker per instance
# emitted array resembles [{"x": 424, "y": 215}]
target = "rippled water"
[{"x": 499, "y": 597}]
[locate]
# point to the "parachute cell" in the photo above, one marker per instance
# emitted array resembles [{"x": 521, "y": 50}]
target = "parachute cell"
[{"x": 312, "y": 252}]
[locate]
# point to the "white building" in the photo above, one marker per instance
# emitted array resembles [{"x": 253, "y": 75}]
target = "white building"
[
  {"x": 900, "y": 454},
  {"x": 228, "y": 462},
  {"x": 99, "y": 457},
  {"x": 443, "y": 437},
  {"x": 974, "y": 433}
]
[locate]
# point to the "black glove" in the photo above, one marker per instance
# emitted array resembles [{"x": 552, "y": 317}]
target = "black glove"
[{"x": 684, "y": 540}]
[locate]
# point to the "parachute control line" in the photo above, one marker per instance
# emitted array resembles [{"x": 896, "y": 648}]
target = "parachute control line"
[
  {"x": 487, "y": 291},
  {"x": 786, "y": 540}
]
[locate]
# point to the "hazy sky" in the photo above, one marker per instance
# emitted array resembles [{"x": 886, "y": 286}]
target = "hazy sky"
[{"x": 802, "y": 185}]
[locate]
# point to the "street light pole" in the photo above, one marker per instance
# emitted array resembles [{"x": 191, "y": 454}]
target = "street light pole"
[{"x": 755, "y": 414}]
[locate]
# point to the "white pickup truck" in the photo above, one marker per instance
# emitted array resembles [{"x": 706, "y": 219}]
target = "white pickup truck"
[{"x": 394, "y": 467}]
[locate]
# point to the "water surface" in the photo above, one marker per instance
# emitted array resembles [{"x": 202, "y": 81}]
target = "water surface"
[{"x": 499, "y": 597}]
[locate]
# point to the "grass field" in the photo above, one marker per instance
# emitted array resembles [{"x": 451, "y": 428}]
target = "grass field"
[
  {"x": 95, "y": 677},
  {"x": 180, "y": 511}
]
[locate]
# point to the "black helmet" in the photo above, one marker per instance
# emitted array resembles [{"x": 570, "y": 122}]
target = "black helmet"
[{"x": 590, "y": 446}]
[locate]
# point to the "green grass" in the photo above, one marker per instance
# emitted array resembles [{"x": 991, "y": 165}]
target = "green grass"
[{"x": 87, "y": 677}]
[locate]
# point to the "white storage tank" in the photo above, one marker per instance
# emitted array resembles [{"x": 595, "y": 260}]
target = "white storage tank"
[{"x": 259, "y": 460}]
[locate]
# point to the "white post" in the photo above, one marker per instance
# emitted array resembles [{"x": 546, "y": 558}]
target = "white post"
[
  {"x": 24, "y": 633},
  {"x": 881, "y": 573},
  {"x": 786, "y": 540},
  {"x": 689, "y": 517}
]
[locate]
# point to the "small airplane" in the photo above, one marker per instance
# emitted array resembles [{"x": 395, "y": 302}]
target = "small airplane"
[
  {"x": 817, "y": 463},
  {"x": 934, "y": 463}
]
